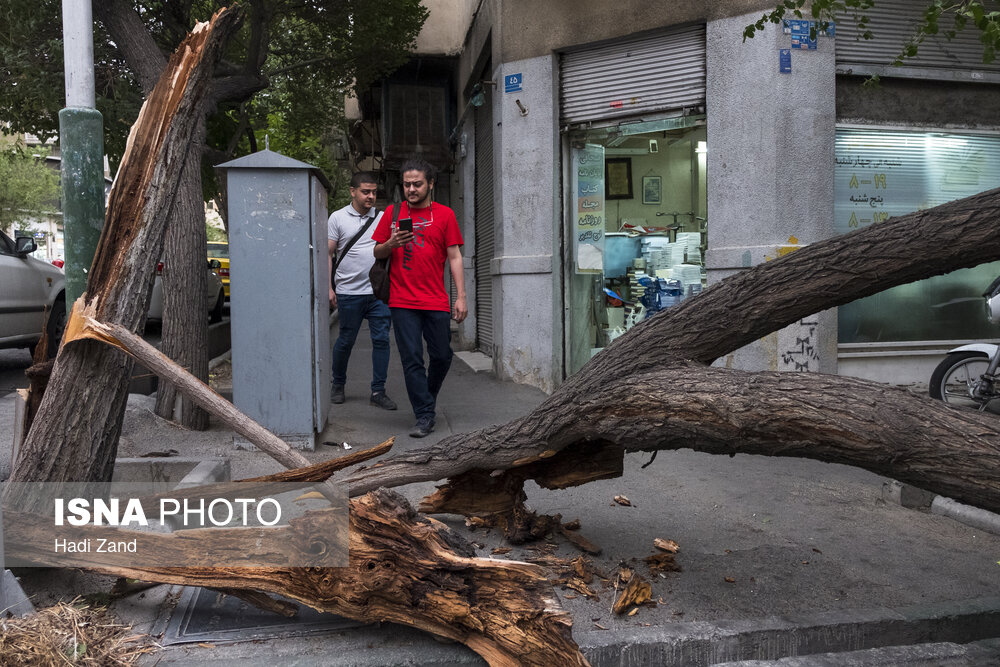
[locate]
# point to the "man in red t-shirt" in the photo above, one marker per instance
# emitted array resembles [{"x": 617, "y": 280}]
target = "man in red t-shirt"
[{"x": 417, "y": 298}]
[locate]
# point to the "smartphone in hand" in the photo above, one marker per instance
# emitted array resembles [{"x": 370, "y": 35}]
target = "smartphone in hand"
[{"x": 405, "y": 225}]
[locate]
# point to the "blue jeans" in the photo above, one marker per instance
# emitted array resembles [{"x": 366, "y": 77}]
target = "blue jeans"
[
  {"x": 422, "y": 385},
  {"x": 351, "y": 309}
]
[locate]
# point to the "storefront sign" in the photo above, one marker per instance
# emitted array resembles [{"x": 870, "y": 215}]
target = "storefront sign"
[
  {"x": 884, "y": 173},
  {"x": 588, "y": 195}
]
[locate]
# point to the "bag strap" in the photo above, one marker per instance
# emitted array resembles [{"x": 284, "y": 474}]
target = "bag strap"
[
  {"x": 355, "y": 238},
  {"x": 397, "y": 206}
]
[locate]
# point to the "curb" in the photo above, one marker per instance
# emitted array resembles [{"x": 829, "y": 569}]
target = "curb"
[
  {"x": 914, "y": 498},
  {"x": 977, "y": 654},
  {"x": 773, "y": 638},
  {"x": 967, "y": 514},
  {"x": 931, "y": 632}
]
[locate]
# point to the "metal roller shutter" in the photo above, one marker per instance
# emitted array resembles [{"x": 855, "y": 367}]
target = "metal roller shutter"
[
  {"x": 892, "y": 23},
  {"x": 484, "y": 225},
  {"x": 638, "y": 75}
]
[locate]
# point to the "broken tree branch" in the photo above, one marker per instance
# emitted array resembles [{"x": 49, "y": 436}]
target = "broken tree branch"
[
  {"x": 684, "y": 405},
  {"x": 74, "y": 436},
  {"x": 404, "y": 569},
  {"x": 82, "y": 324},
  {"x": 926, "y": 443}
]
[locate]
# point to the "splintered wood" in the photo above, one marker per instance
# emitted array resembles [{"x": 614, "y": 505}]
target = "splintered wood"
[
  {"x": 634, "y": 590},
  {"x": 415, "y": 571}
]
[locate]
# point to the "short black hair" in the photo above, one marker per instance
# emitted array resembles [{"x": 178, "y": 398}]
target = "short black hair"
[
  {"x": 363, "y": 177},
  {"x": 419, "y": 164}
]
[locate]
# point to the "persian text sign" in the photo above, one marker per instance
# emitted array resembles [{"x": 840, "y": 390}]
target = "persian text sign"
[{"x": 588, "y": 193}]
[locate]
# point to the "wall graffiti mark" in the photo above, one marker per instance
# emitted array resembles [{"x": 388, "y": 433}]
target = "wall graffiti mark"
[{"x": 804, "y": 350}]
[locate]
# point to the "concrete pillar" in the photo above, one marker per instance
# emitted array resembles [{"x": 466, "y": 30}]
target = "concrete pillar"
[
  {"x": 81, "y": 144},
  {"x": 526, "y": 152},
  {"x": 770, "y": 173}
]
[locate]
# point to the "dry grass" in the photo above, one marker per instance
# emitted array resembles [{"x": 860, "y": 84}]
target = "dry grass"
[{"x": 69, "y": 634}]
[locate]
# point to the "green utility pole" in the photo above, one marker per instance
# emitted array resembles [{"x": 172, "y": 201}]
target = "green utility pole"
[{"x": 81, "y": 145}]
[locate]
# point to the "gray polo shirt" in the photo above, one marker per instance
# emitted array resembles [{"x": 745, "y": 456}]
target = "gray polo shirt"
[{"x": 352, "y": 273}]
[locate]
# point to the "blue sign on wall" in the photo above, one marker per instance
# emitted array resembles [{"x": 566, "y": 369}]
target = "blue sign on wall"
[
  {"x": 512, "y": 83},
  {"x": 802, "y": 32},
  {"x": 785, "y": 61}
]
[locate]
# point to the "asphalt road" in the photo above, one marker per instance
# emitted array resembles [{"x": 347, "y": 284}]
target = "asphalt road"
[
  {"x": 12, "y": 366},
  {"x": 13, "y": 362}
]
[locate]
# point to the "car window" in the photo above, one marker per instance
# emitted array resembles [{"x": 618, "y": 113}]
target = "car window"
[
  {"x": 6, "y": 244},
  {"x": 218, "y": 250}
]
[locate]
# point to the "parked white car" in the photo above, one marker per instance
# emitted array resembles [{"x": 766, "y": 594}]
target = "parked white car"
[
  {"x": 215, "y": 295},
  {"x": 28, "y": 287}
]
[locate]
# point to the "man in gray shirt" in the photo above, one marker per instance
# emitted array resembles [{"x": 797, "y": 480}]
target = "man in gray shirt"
[{"x": 351, "y": 291}]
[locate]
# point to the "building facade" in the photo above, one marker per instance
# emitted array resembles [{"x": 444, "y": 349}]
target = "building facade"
[{"x": 610, "y": 159}]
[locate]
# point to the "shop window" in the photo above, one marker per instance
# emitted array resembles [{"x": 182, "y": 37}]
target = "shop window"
[
  {"x": 880, "y": 174},
  {"x": 637, "y": 223}
]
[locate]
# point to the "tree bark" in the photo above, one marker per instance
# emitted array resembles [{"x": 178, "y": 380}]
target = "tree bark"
[
  {"x": 185, "y": 333},
  {"x": 686, "y": 404},
  {"x": 74, "y": 436},
  {"x": 131, "y": 37}
]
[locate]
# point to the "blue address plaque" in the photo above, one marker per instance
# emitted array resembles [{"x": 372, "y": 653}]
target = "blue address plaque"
[
  {"x": 512, "y": 83},
  {"x": 785, "y": 61}
]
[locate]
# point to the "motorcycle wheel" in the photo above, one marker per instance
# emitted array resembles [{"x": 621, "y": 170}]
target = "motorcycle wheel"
[{"x": 955, "y": 378}]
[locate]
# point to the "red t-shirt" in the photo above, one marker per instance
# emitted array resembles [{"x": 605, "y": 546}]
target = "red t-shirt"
[{"x": 416, "y": 271}]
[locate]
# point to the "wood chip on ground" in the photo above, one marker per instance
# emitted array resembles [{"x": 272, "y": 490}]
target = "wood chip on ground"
[
  {"x": 669, "y": 546},
  {"x": 634, "y": 590},
  {"x": 662, "y": 562}
]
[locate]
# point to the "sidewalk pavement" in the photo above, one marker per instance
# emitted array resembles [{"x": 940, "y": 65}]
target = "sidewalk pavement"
[{"x": 780, "y": 557}]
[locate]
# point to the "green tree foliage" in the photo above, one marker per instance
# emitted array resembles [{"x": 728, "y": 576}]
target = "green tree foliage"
[
  {"x": 28, "y": 188},
  {"x": 292, "y": 61},
  {"x": 32, "y": 79},
  {"x": 939, "y": 17},
  {"x": 213, "y": 233}
]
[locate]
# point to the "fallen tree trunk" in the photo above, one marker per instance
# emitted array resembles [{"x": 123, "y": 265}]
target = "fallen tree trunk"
[
  {"x": 403, "y": 569},
  {"x": 844, "y": 420},
  {"x": 74, "y": 436},
  {"x": 673, "y": 404}
]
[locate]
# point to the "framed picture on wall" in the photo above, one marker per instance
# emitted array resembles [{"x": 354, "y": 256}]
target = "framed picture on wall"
[
  {"x": 618, "y": 178},
  {"x": 651, "y": 193}
]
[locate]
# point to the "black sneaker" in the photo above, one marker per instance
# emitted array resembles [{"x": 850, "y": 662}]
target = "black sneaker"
[
  {"x": 380, "y": 400},
  {"x": 337, "y": 396},
  {"x": 422, "y": 428}
]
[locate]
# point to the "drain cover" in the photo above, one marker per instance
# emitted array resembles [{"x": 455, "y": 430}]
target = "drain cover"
[{"x": 207, "y": 616}]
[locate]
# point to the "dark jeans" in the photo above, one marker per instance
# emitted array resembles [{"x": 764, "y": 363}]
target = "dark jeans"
[
  {"x": 351, "y": 309},
  {"x": 433, "y": 326}
]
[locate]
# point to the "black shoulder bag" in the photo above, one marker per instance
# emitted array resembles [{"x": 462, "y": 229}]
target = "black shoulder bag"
[
  {"x": 350, "y": 244},
  {"x": 379, "y": 273}
]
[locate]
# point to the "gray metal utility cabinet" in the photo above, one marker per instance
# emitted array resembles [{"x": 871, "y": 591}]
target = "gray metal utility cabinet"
[{"x": 279, "y": 304}]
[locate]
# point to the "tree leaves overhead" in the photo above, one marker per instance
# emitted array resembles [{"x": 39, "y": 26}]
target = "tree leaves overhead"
[
  {"x": 296, "y": 60},
  {"x": 27, "y": 186},
  {"x": 939, "y": 17}
]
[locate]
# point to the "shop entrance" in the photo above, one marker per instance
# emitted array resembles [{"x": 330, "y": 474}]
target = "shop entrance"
[{"x": 636, "y": 227}]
